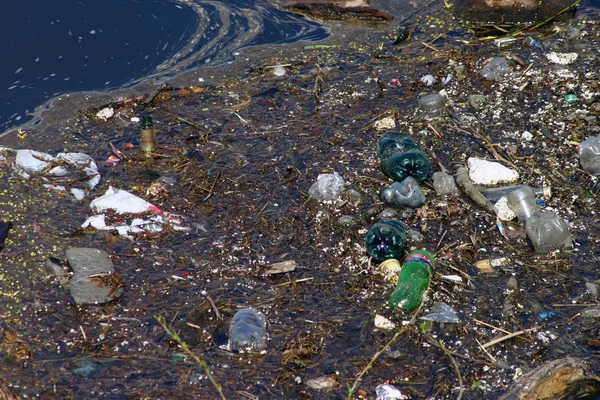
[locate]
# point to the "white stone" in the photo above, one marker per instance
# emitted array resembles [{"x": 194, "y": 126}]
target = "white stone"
[
  {"x": 483, "y": 172},
  {"x": 382, "y": 322},
  {"x": 503, "y": 211},
  {"x": 562, "y": 58}
]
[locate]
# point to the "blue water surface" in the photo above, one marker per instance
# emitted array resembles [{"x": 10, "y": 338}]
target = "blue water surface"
[{"x": 53, "y": 47}]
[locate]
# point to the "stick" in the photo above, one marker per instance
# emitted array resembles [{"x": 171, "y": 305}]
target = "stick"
[
  {"x": 463, "y": 180},
  {"x": 509, "y": 336}
]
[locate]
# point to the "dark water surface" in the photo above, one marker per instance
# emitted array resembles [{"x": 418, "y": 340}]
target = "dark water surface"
[{"x": 52, "y": 47}]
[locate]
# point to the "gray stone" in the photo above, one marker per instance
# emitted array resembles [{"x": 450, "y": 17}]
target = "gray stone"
[{"x": 94, "y": 279}]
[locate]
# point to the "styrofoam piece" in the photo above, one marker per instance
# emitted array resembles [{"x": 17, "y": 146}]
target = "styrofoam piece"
[
  {"x": 483, "y": 172},
  {"x": 503, "y": 210}
]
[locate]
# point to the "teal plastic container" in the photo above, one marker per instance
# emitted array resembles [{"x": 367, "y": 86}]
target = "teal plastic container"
[
  {"x": 386, "y": 239},
  {"x": 401, "y": 157}
]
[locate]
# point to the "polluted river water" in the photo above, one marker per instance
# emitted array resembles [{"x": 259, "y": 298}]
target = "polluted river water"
[
  {"x": 74, "y": 46},
  {"x": 237, "y": 155}
]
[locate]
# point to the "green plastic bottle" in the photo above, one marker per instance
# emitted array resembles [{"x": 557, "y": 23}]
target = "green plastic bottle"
[
  {"x": 413, "y": 280},
  {"x": 386, "y": 239},
  {"x": 401, "y": 157}
]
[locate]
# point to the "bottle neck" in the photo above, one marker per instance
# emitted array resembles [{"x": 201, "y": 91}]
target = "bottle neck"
[{"x": 421, "y": 257}]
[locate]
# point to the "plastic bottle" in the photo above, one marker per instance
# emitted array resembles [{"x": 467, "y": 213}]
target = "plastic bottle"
[
  {"x": 413, "y": 280},
  {"x": 386, "y": 239},
  {"x": 248, "y": 331},
  {"x": 433, "y": 105},
  {"x": 148, "y": 143},
  {"x": 407, "y": 193},
  {"x": 401, "y": 157},
  {"x": 589, "y": 155},
  {"x": 522, "y": 202},
  {"x": 547, "y": 231},
  {"x": 494, "y": 194}
]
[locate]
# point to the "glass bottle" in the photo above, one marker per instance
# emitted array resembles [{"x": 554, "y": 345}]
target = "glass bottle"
[{"x": 148, "y": 143}]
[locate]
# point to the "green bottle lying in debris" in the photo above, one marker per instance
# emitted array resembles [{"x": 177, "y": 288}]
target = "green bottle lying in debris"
[
  {"x": 401, "y": 157},
  {"x": 413, "y": 280},
  {"x": 386, "y": 239}
]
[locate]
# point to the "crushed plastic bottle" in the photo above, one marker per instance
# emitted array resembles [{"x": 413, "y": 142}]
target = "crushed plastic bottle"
[
  {"x": 547, "y": 231},
  {"x": 444, "y": 183},
  {"x": 522, "y": 202},
  {"x": 413, "y": 280},
  {"x": 401, "y": 157},
  {"x": 407, "y": 193},
  {"x": 386, "y": 239},
  {"x": 589, "y": 155},
  {"x": 327, "y": 187},
  {"x": 248, "y": 331}
]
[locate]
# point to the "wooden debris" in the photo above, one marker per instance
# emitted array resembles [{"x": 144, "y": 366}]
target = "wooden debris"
[
  {"x": 565, "y": 378},
  {"x": 464, "y": 182}
]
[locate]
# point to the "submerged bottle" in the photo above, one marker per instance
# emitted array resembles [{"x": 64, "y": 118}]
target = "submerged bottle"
[
  {"x": 413, "y": 280},
  {"x": 386, "y": 239},
  {"x": 589, "y": 155},
  {"x": 248, "y": 331},
  {"x": 401, "y": 157},
  {"x": 148, "y": 143}
]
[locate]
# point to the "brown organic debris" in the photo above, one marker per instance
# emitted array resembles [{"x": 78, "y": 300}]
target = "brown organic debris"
[{"x": 565, "y": 378}]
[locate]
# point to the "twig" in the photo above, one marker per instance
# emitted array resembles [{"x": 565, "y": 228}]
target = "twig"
[
  {"x": 530, "y": 28},
  {"x": 212, "y": 187},
  {"x": 491, "y": 326},
  {"x": 509, "y": 336},
  {"x": 380, "y": 352},
  {"x": 186, "y": 349},
  {"x": 460, "y": 379},
  {"x": 214, "y": 307}
]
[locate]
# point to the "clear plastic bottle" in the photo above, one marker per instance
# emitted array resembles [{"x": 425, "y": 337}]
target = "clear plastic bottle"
[
  {"x": 433, "y": 105},
  {"x": 386, "y": 239},
  {"x": 494, "y": 194},
  {"x": 248, "y": 331},
  {"x": 548, "y": 231},
  {"x": 522, "y": 202},
  {"x": 413, "y": 280},
  {"x": 401, "y": 157},
  {"x": 589, "y": 155}
]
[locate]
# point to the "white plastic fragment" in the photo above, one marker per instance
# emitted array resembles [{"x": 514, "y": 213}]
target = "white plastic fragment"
[
  {"x": 32, "y": 161},
  {"x": 105, "y": 113},
  {"x": 388, "y": 392},
  {"x": 122, "y": 202},
  {"x": 428, "y": 80},
  {"x": 452, "y": 278},
  {"x": 562, "y": 58},
  {"x": 78, "y": 167},
  {"x": 382, "y": 322},
  {"x": 327, "y": 187},
  {"x": 279, "y": 70},
  {"x": 483, "y": 172}
]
